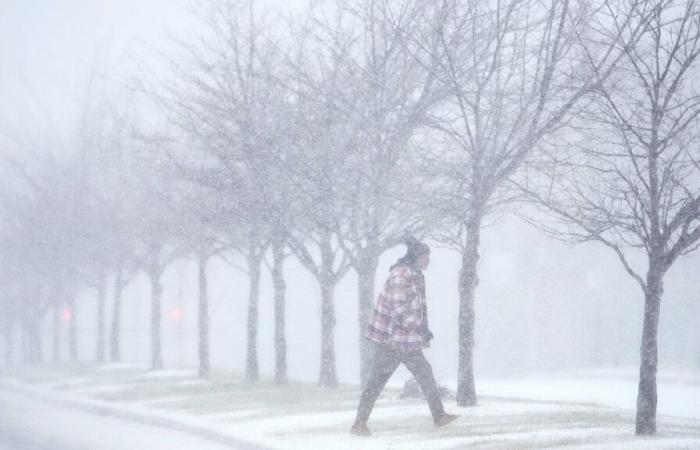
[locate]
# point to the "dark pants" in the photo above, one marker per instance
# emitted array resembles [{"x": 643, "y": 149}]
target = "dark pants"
[{"x": 386, "y": 361}]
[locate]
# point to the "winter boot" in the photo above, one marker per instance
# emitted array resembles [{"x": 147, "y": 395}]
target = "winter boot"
[
  {"x": 360, "y": 429},
  {"x": 445, "y": 419}
]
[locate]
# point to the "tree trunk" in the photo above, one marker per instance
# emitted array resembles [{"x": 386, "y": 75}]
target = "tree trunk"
[
  {"x": 24, "y": 340},
  {"x": 36, "y": 339},
  {"x": 33, "y": 336},
  {"x": 29, "y": 343},
  {"x": 468, "y": 280},
  {"x": 327, "y": 371},
  {"x": 251, "y": 370},
  {"x": 203, "y": 317},
  {"x": 8, "y": 340},
  {"x": 280, "y": 311},
  {"x": 156, "y": 293},
  {"x": 72, "y": 331},
  {"x": 115, "y": 331},
  {"x": 101, "y": 300},
  {"x": 327, "y": 376},
  {"x": 366, "y": 273},
  {"x": 56, "y": 333},
  {"x": 646, "y": 395},
  {"x": 531, "y": 322}
]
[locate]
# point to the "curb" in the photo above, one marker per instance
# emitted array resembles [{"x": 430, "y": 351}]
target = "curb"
[{"x": 139, "y": 415}]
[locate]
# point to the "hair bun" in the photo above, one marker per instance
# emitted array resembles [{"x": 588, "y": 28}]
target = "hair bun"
[{"x": 411, "y": 241}]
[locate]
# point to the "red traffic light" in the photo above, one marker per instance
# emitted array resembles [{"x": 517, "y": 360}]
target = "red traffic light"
[{"x": 176, "y": 314}]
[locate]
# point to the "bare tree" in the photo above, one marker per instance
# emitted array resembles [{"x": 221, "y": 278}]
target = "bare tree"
[
  {"x": 7, "y": 328},
  {"x": 39, "y": 221},
  {"x": 319, "y": 164},
  {"x": 631, "y": 184},
  {"x": 223, "y": 98},
  {"x": 515, "y": 70},
  {"x": 121, "y": 279},
  {"x": 314, "y": 238},
  {"x": 97, "y": 155},
  {"x": 385, "y": 87},
  {"x": 59, "y": 213},
  {"x": 200, "y": 232},
  {"x": 153, "y": 217}
]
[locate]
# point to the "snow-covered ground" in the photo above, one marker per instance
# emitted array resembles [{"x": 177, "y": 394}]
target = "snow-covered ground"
[
  {"x": 679, "y": 391},
  {"x": 592, "y": 409}
]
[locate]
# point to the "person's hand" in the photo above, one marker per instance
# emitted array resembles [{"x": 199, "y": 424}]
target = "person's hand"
[{"x": 427, "y": 334}]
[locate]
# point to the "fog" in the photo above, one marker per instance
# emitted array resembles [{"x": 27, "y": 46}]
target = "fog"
[
  {"x": 544, "y": 306},
  {"x": 553, "y": 296}
]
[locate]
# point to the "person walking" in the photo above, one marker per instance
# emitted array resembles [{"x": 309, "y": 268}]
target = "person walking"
[{"x": 399, "y": 331}]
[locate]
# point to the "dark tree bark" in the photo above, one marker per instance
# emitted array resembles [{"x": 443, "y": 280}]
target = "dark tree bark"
[
  {"x": 327, "y": 376},
  {"x": 280, "y": 311},
  {"x": 156, "y": 294},
  {"x": 252, "y": 371},
  {"x": 27, "y": 344},
  {"x": 647, "y": 394},
  {"x": 203, "y": 349},
  {"x": 24, "y": 341},
  {"x": 327, "y": 276},
  {"x": 8, "y": 340},
  {"x": 327, "y": 280},
  {"x": 29, "y": 339},
  {"x": 101, "y": 301},
  {"x": 36, "y": 338},
  {"x": 33, "y": 337},
  {"x": 72, "y": 331},
  {"x": 468, "y": 280},
  {"x": 366, "y": 273},
  {"x": 115, "y": 331},
  {"x": 56, "y": 333}
]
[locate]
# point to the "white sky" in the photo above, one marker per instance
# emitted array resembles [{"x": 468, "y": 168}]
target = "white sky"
[{"x": 48, "y": 46}]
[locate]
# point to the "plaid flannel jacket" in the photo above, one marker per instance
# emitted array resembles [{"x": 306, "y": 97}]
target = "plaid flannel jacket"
[{"x": 400, "y": 316}]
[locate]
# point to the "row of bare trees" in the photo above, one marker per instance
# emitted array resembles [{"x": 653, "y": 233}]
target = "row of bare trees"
[{"x": 332, "y": 137}]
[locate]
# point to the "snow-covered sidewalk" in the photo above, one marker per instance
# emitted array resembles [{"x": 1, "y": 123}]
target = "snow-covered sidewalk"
[{"x": 302, "y": 416}]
